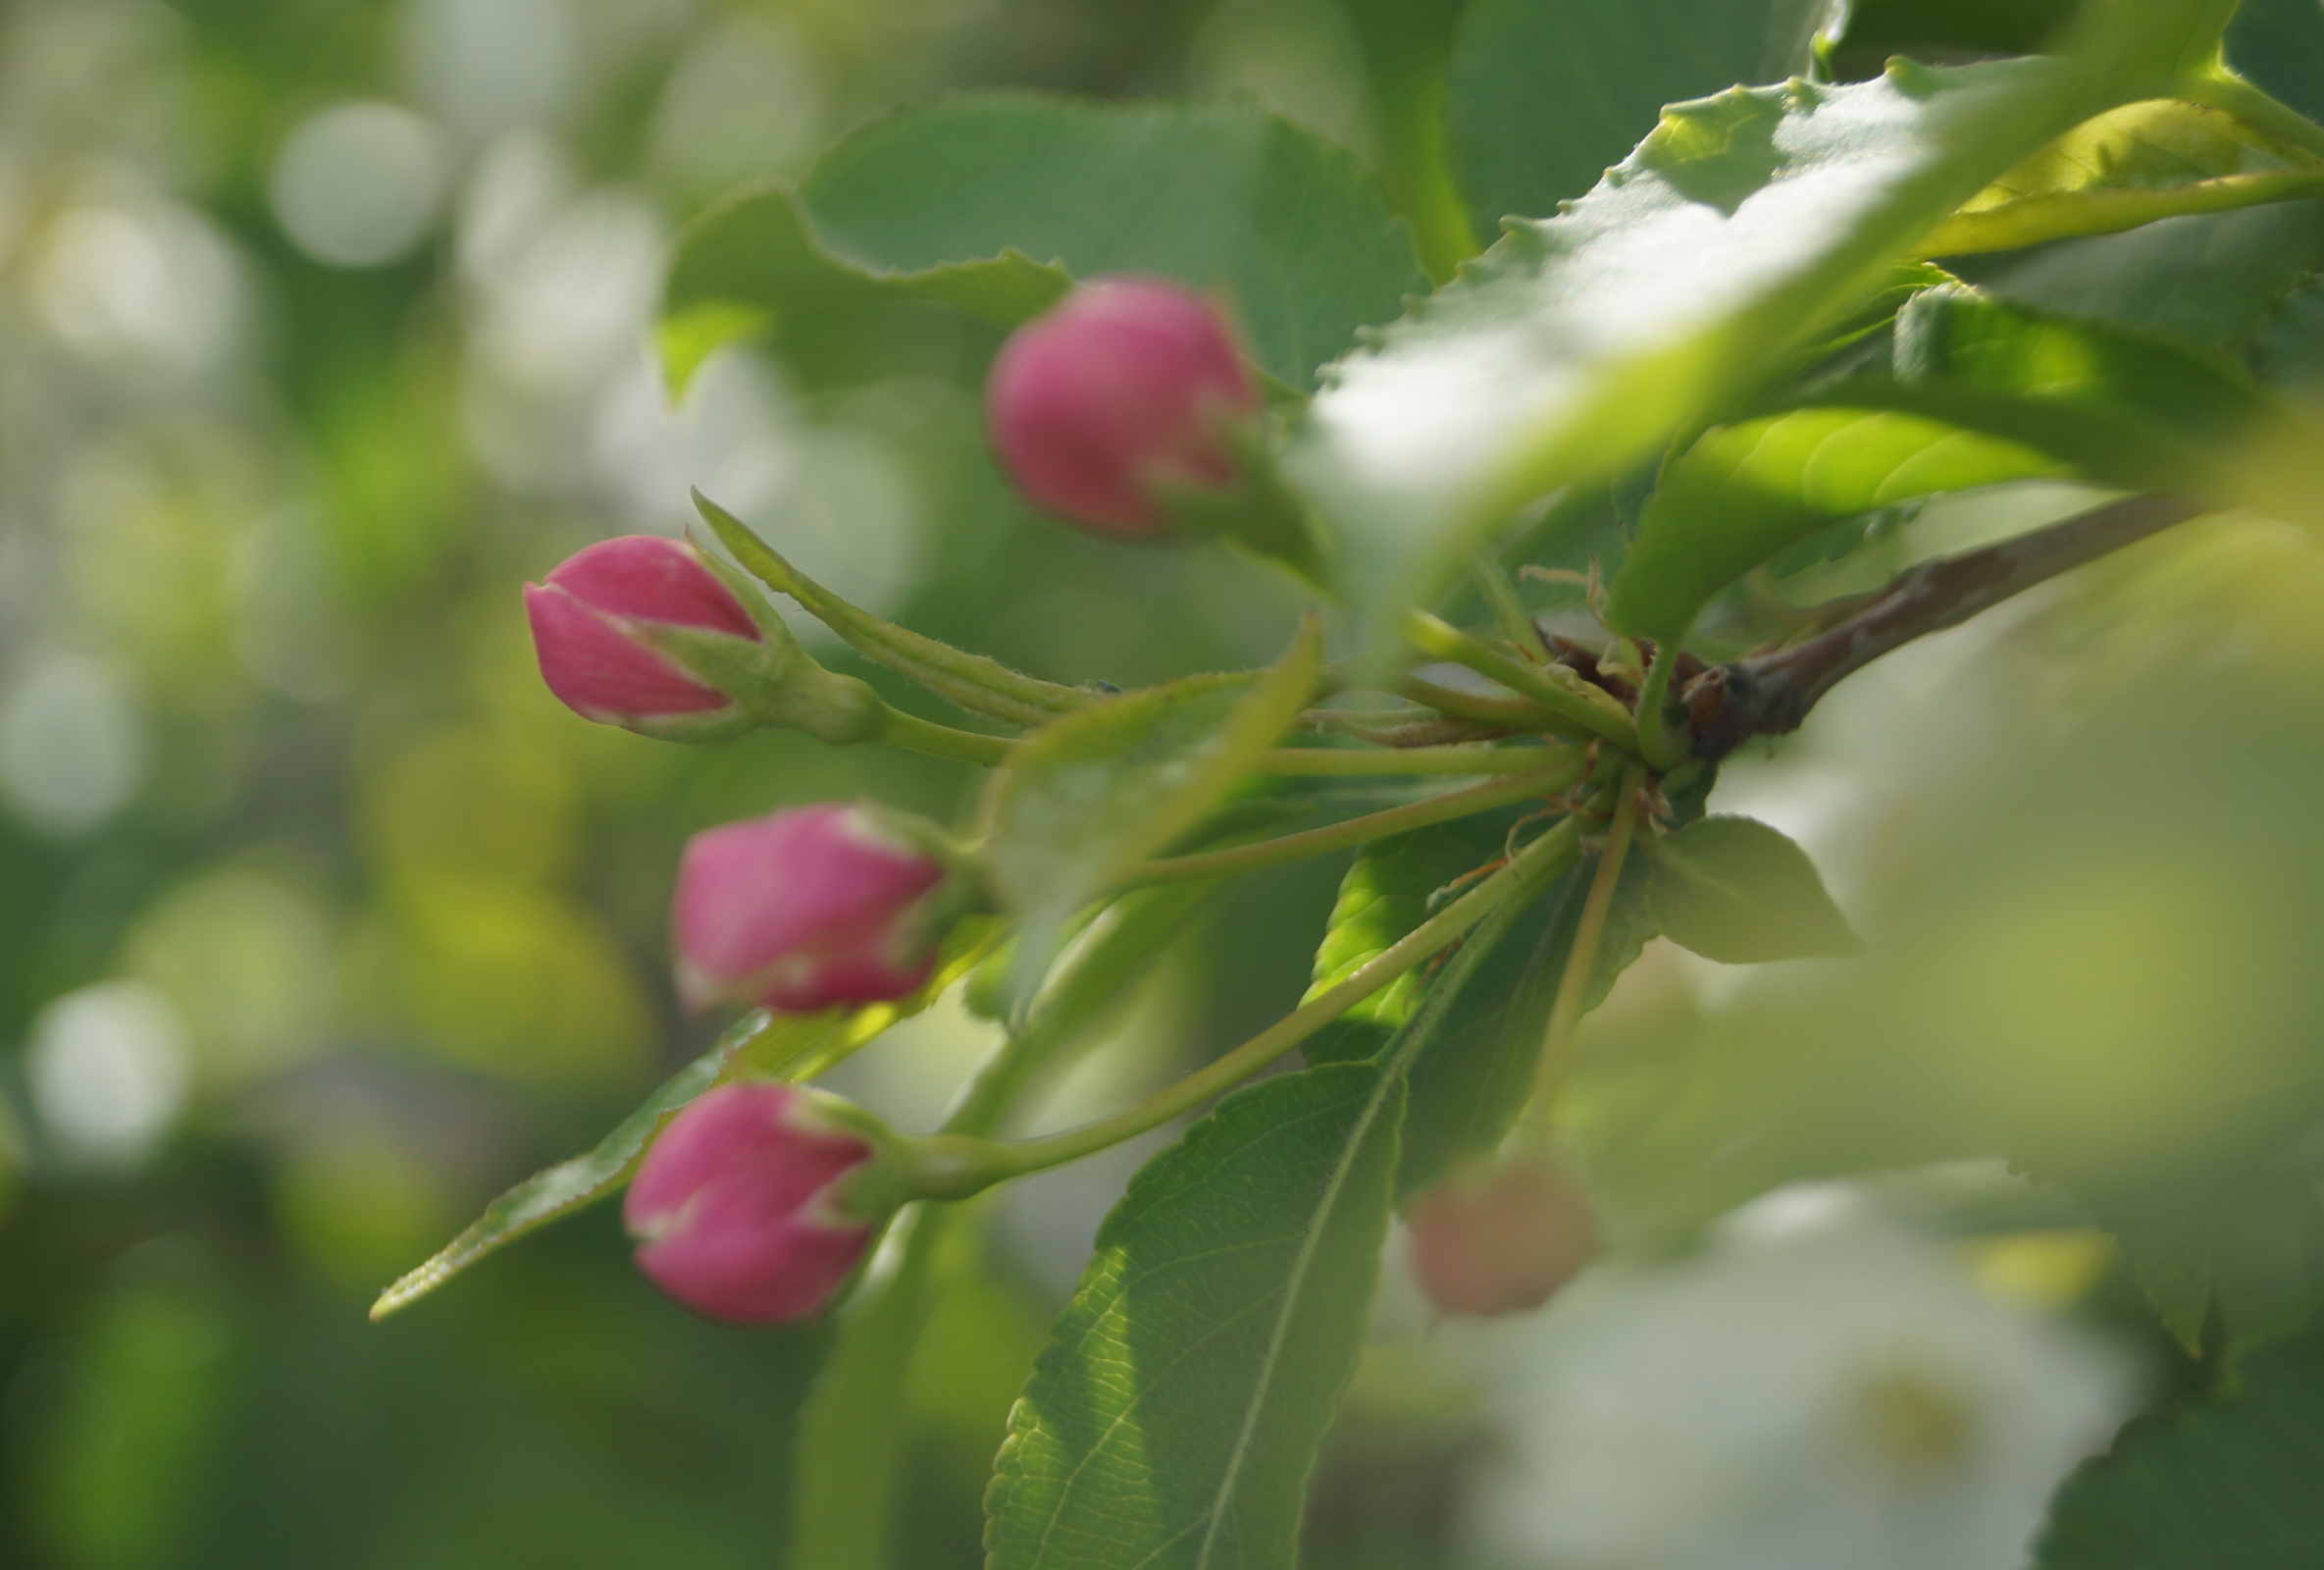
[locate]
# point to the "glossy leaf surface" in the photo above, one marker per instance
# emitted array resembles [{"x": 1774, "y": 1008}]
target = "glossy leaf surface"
[
  {"x": 2225, "y": 1481},
  {"x": 1578, "y": 343}
]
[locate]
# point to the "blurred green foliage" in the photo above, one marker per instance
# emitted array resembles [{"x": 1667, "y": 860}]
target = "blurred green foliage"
[
  {"x": 273, "y": 751},
  {"x": 321, "y": 922}
]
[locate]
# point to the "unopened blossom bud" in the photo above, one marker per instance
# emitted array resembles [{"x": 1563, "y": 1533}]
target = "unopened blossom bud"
[
  {"x": 595, "y": 623},
  {"x": 809, "y": 907},
  {"x": 1127, "y": 390},
  {"x": 1501, "y": 1242},
  {"x": 756, "y": 1202}
]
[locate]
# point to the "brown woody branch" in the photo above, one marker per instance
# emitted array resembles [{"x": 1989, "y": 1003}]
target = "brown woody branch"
[{"x": 1771, "y": 692}]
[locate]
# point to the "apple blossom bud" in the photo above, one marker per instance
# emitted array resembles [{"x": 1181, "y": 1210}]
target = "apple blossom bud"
[
  {"x": 1502, "y": 1242},
  {"x": 1127, "y": 390},
  {"x": 592, "y": 625},
  {"x": 757, "y": 1200},
  {"x": 809, "y": 907}
]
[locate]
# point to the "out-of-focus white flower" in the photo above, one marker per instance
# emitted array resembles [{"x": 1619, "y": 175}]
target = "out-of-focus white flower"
[
  {"x": 109, "y": 1068},
  {"x": 152, "y": 284},
  {"x": 72, "y": 744},
  {"x": 360, "y": 184},
  {"x": 1820, "y": 1388},
  {"x": 489, "y": 66}
]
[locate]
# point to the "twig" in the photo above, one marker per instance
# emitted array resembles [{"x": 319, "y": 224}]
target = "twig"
[{"x": 1769, "y": 692}]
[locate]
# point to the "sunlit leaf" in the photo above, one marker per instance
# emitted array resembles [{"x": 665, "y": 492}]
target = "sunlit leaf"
[
  {"x": 993, "y": 203},
  {"x": 2128, "y": 166},
  {"x": 1742, "y": 225},
  {"x": 2225, "y": 1481},
  {"x": 1735, "y": 890},
  {"x": 1171, "y": 1422}
]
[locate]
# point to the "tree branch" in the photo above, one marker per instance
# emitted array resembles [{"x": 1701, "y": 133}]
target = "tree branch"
[{"x": 1771, "y": 692}]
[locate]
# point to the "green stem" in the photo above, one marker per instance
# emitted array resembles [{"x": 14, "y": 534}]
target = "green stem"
[
  {"x": 1581, "y": 961},
  {"x": 1558, "y": 777},
  {"x": 1510, "y": 713},
  {"x": 1468, "y": 759},
  {"x": 1433, "y": 636},
  {"x": 944, "y": 741},
  {"x": 1655, "y": 741},
  {"x": 901, "y": 729},
  {"x": 1501, "y": 598},
  {"x": 954, "y": 1168}
]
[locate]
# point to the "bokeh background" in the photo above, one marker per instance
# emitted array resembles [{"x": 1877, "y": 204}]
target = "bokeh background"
[{"x": 324, "y": 326}]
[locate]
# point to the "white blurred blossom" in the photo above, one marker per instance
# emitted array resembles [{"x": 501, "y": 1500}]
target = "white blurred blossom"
[
  {"x": 72, "y": 743},
  {"x": 360, "y": 184},
  {"x": 1820, "y": 1388},
  {"x": 108, "y": 1070},
  {"x": 152, "y": 283}
]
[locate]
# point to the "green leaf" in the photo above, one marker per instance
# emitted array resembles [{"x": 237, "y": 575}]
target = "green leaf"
[
  {"x": 2230, "y": 1481},
  {"x": 1744, "y": 492},
  {"x": 1740, "y": 228},
  {"x": 1471, "y": 1028},
  {"x": 993, "y": 203},
  {"x": 2279, "y": 44},
  {"x": 2128, "y": 166},
  {"x": 1734, "y": 890},
  {"x": 1984, "y": 392},
  {"x": 2205, "y": 283},
  {"x": 1542, "y": 95},
  {"x": 1171, "y": 1422},
  {"x": 1086, "y": 798}
]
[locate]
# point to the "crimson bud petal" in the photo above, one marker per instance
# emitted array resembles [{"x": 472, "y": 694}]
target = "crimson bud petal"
[
  {"x": 1126, "y": 387},
  {"x": 588, "y": 616},
  {"x": 802, "y": 910},
  {"x": 739, "y": 1207}
]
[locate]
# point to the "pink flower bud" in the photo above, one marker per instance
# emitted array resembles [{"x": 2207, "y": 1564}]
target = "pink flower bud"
[
  {"x": 1502, "y": 1243},
  {"x": 589, "y": 617},
  {"x": 740, "y": 1208},
  {"x": 1125, "y": 388},
  {"x": 806, "y": 909}
]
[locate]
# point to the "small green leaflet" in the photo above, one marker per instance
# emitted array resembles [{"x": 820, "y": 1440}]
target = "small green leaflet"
[
  {"x": 1741, "y": 227},
  {"x": 1086, "y": 798},
  {"x": 2128, "y": 166},
  {"x": 1542, "y": 95},
  {"x": 1173, "y": 1419},
  {"x": 2219, "y": 1482},
  {"x": 1734, "y": 890},
  {"x": 994, "y": 203}
]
